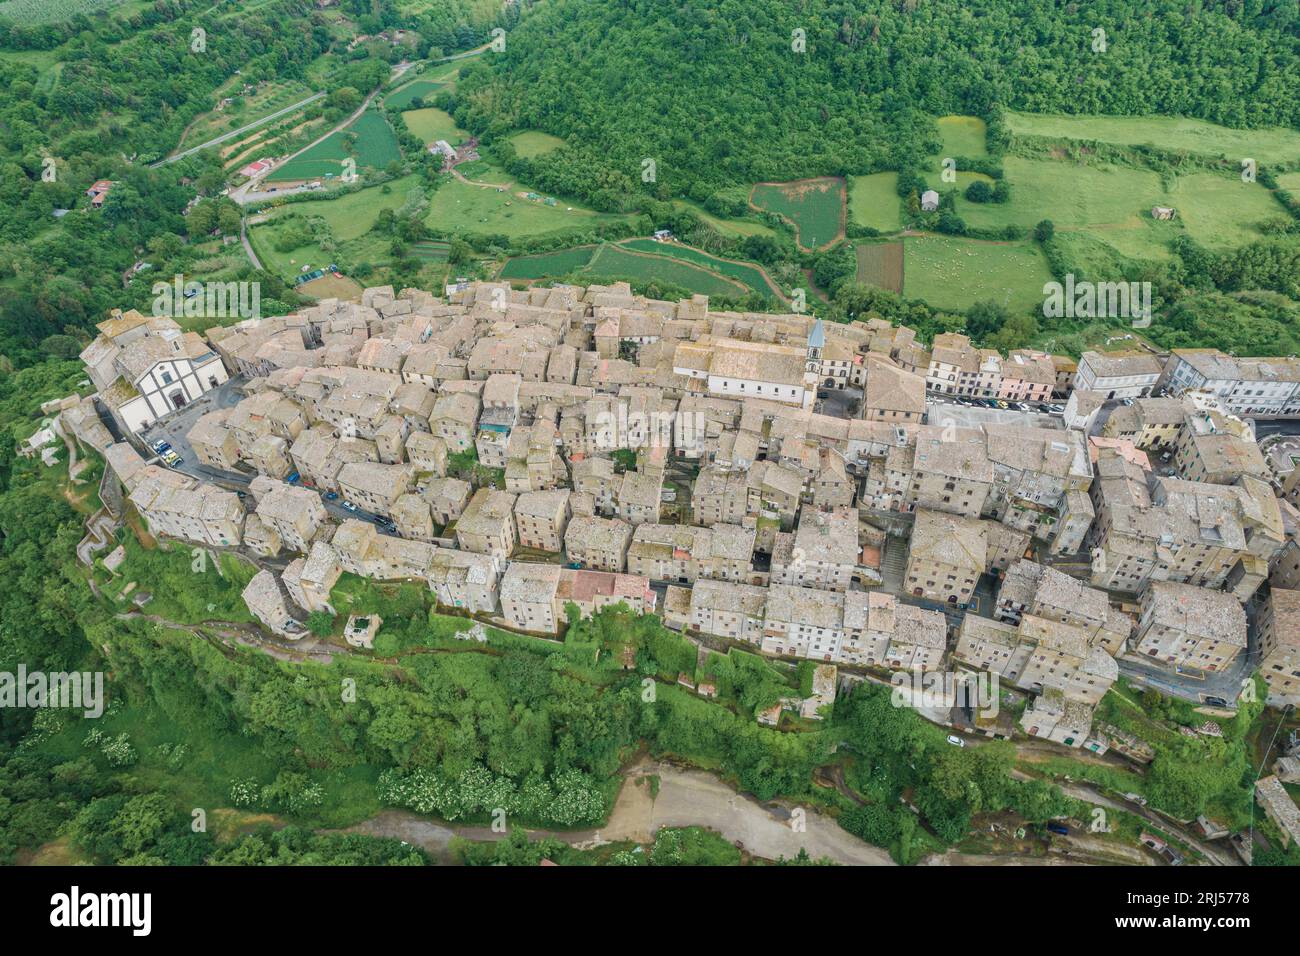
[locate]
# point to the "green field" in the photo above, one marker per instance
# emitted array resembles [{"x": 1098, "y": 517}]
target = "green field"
[
  {"x": 376, "y": 141},
  {"x": 431, "y": 250},
  {"x": 53, "y": 11},
  {"x": 431, "y": 125},
  {"x": 874, "y": 202},
  {"x": 375, "y": 147},
  {"x": 348, "y": 220},
  {"x": 404, "y": 96},
  {"x": 881, "y": 264},
  {"x": 815, "y": 207},
  {"x": 611, "y": 263},
  {"x": 271, "y": 98},
  {"x": 1222, "y": 210},
  {"x": 750, "y": 275},
  {"x": 1290, "y": 182},
  {"x": 951, "y": 273},
  {"x": 1114, "y": 204},
  {"x": 735, "y": 228},
  {"x": 460, "y": 207},
  {"x": 548, "y": 264},
  {"x": 532, "y": 143},
  {"x": 962, "y": 136},
  {"x": 1273, "y": 145},
  {"x": 325, "y": 159}
]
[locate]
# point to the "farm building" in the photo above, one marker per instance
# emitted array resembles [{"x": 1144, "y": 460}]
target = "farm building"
[
  {"x": 929, "y": 200},
  {"x": 1163, "y": 212},
  {"x": 98, "y": 191},
  {"x": 256, "y": 168}
]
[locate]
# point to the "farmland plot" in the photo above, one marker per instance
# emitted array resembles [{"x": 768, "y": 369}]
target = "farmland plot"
[{"x": 815, "y": 207}]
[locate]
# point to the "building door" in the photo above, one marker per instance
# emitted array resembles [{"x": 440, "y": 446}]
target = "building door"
[{"x": 178, "y": 399}]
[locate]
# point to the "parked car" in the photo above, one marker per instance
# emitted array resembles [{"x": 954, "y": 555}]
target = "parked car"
[
  {"x": 161, "y": 446},
  {"x": 349, "y": 506},
  {"x": 1056, "y": 827},
  {"x": 178, "y": 462},
  {"x": 293, "y": 478},
  {"x": 956, "y": 741},
  {"x": 331, "y": 495}
]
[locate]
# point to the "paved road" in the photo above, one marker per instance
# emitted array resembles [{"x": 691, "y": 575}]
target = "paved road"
[
  {"x": 1277, "y": 426},
  {"x": 237, "y": 132},
  {"x": 248, "y": 246}
]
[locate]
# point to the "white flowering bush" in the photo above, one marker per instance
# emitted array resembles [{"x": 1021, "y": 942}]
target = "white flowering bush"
[
  {"x": 570, "y": 798},
  {"x": 245, "y": 793},
  {"x": 119, "y": 751}
]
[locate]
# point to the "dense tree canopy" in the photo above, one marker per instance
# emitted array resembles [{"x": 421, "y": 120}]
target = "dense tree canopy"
[{"x": 720, "y": 93}]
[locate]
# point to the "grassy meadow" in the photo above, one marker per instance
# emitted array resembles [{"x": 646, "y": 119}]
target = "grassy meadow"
[{"x": 952, "y": 273}]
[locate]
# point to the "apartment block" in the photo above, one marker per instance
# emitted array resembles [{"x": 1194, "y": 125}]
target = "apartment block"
[
  {"x": 1185, "y": 626},
  {"x": 541, "y": 518},
  {"x": 684, "y": 553},
  {"x": 375, "y": 487},
  {"x": 822, "y": 553},
  {"x": 183, "y": 508},
  {"x": 487, "y": 525},
  {"x": 1277, "y": 626},
  {"x": 599, "y": 543},
  {"x": 1117, "y": 375},
  {"x": 948, "y": 554}
]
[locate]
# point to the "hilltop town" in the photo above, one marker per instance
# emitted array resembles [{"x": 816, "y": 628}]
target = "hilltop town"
[{"x": 831, "y": 492}]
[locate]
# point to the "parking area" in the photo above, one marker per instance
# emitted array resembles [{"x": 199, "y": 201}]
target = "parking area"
[
  {"x": 972, "y": 413},
  {"x": 839, "y": 402},
  {"x": 175, "y": 428}
]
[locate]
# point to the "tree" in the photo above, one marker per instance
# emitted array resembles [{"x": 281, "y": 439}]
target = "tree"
[
  {"x": 229, "y": 218},
  {"x": 345, "y": 99},
  {"x": 320, "y": 623},
  {"x": 984, "y": 318},
  {"x": 1044, "y": 230}
]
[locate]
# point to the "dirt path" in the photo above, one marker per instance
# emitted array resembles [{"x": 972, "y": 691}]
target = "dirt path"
[
  {"x": 685, "y": 798},
  {"x": 695, "y": 798},
  {"x": 472, "y": 182}
]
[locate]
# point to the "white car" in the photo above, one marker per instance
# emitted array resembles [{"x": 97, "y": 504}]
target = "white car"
[{"x": 956, "y": 741}]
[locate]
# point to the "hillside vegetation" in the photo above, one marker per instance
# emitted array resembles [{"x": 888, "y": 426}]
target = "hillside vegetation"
[{"x": 715, "y": 94}]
